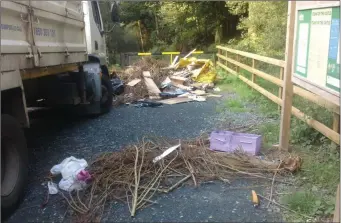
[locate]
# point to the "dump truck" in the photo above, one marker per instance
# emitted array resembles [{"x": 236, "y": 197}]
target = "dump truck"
[{"x": 53, "y": 54}]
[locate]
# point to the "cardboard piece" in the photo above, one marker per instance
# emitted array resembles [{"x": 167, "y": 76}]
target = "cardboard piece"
[
  {"x": 178, "y": 80},
  {"x": 199, "y": 92},
  {"x": 177, "y": 100},
  {"x": 214, "y": 95},
  {"x": 134, "y": 82}
]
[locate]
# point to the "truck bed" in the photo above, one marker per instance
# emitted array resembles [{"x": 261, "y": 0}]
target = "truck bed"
[{"x": 37, "y": 34}]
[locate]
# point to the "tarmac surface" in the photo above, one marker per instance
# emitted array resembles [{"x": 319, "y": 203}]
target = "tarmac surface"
[{"x": 54, "y": 137}]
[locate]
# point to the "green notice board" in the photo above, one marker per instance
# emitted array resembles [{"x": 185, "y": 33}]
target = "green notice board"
[{"x": 317, "y": 56}]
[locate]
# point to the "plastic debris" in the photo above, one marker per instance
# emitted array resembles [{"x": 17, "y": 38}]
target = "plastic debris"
[
  {"x": 85, "y": 176},
  {"x": 53, "y": 188},
  {"x": 165, "y": 153},
  {"x": 117, "y": 86},
  {"x": 217, "y": 89},
  {"x": 255, "y": 199},
  {"x": 147, "y": 103},
  {"x": 69, "y": 169},
  {"x": 197, "y": 98},
  {"x": 228, "y": 141}
]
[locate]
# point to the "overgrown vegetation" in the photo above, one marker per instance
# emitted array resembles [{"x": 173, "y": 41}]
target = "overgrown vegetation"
[
  {"x": 181, "y": 26},
  {"x": 314, "y": 191}
]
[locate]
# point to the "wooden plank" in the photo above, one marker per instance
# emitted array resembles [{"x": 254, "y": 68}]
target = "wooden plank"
[
  {"x": 134, "y": 82},
  {"x": 297, "y": 90},
  {"x": 269, "y": 60},
  {"x": 284, "y": 131},
  {"x": 178, "y": 79},
  {"x": 150, "y": 84},
  {"x": 329, "y": 133},
  {"x": 253, "y": 75},
  {"x": 172, "y": 101},
  {"x": 326, "y": 131},
  {"x": 323, "y": 92},
  {"x": 316, "y": 99},
  {"x": 146, "y": 74},
  {"x": 190, "y": 53},
  {"x": 174, "y": 61},
  {"x": 259, "y": 73},
  {"x": 280, "y": 89},
  {"x": 336, "y": 122},
  {"x": 336, "y": 217},
  {"x": 266, "y": 93}
]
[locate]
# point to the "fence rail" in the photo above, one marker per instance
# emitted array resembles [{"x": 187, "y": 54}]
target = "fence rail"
[{"x": 331, "y": 133}]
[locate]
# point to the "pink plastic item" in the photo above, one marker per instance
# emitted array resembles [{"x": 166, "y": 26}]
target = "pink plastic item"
[
  {"x": 227, "y": 141},
  {"x": 84, "y": 175}
]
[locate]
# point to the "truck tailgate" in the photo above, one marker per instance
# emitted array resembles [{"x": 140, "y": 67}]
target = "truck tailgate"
[{"x": 42, "y": 33}]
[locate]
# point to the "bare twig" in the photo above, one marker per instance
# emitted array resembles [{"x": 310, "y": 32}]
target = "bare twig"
[
  {"x": 178, "y": 183},
  {"x": 272, "y": 185},
  {"x": 137, "y": 181}
]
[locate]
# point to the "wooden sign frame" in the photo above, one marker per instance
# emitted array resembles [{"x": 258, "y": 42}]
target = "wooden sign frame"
[{"x": 329, "y": 94}]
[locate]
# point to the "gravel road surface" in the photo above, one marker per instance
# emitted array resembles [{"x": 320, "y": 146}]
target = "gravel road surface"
[{"x": 54, "y": 137}]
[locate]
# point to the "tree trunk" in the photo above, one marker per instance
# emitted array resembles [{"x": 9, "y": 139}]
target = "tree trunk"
[
  {"x": 141, "y": 37},
  {"x": 156, "y": 24}
]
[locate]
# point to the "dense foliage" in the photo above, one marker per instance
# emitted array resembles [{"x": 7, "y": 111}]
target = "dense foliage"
[{"x": 182, "y": 26}]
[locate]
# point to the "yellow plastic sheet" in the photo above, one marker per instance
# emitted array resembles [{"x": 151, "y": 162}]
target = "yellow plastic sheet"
[
  {"x": 207, "y": 73},
  {"x": 183, "y": 62}
]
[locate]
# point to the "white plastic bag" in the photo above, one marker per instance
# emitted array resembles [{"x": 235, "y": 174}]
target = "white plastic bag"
[
  {"x": 69, "y": 168},
  {"x": 53, "y": 189},
  {"x": 71, "y": 184}
]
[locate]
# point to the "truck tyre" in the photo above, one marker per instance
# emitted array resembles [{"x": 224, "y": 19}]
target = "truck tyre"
[
  {"x": 107, "y": 94},
  {"x": 14, "y": 164}
]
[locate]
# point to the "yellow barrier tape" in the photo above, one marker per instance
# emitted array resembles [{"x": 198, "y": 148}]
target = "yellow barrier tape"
[
  {"x": 144, "y": 54},
  {"x": 168, "y": 53}
]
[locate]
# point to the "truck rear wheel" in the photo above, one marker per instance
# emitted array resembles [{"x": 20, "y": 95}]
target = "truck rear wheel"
[
  {"x": 107, "y": 94},
  {"x": 14, "y": 164}
]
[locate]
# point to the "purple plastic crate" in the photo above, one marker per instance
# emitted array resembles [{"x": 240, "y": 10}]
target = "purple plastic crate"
[{"x": 227, "y": 141}]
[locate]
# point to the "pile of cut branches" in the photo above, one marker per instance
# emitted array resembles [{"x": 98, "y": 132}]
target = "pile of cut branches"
[{"x": 132, "y": 175}]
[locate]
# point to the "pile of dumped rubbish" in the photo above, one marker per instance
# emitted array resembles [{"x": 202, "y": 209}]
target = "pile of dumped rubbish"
[
  {"x": 138, "y": 172},
  {"x": 151, "y": 82}
]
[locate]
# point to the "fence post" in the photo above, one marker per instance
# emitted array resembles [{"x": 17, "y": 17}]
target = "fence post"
[
  {"x": 336, "y": 217},
  {"x": 280, "y": 89},
  {"x": 288, "y": 86},
  {"x": 225, "y": 56},
  {"x": 237, "y": 68},
  {"x": 336, "y": 122},
  {"x": 253, "y": 78},
  {"x": 336, "y": 125}
]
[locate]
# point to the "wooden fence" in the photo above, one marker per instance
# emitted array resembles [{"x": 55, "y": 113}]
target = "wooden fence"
[{"x": 223, "y": 60}]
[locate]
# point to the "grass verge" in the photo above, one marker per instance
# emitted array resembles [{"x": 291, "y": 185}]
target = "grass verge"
[{"x": 315, "y": 185}]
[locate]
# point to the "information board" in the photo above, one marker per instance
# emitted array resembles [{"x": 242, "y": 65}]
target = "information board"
[{"x": 317, "y": 47}]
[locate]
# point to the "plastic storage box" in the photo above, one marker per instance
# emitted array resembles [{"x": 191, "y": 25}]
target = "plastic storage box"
[{"x": 227, "y": 141}]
